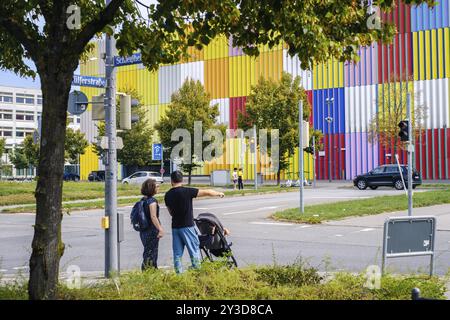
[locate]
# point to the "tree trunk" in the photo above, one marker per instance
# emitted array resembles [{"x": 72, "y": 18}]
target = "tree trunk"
[
  {"x": 278, "y": 177},
  {"x": 47, "y": 246},
  {"x": 190, "y": 176}
]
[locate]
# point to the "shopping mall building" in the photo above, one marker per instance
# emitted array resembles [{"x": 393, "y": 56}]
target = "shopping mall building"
[{"x": 419, "y": 54}]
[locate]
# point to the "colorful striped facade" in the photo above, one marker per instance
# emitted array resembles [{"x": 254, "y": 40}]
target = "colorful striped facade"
[{"x": 419, "y": 55}]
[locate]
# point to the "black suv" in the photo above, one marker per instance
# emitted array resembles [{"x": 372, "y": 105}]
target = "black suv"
[
  {"x": 386, "y": 176},
  {"x": 97, "y": 176}
]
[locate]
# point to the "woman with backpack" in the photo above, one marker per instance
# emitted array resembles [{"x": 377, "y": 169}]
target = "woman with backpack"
[{"x": 150, "y": 236}]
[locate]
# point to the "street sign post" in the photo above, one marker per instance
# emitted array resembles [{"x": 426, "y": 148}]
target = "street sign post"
[
  {"x": 157, "y": 152},
  {"x": 409, "y": 236},
  {"x": 78, "y": 103}
]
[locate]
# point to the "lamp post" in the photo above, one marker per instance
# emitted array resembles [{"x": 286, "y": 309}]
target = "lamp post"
[{"x": 329, "y": 102}]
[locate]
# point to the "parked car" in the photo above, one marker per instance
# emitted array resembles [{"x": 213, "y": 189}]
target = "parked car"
[
  {"x": 140, "y": 176},
  {"x": 97, "y": 176},
  {"x": 386, "y": 176},
  {"x": 71, "y": 176}
]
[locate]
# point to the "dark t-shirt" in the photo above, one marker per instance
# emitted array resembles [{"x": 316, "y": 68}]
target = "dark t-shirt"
[
  {"x": 179, "y": 202},
  {"x": 148, "y": 202}
]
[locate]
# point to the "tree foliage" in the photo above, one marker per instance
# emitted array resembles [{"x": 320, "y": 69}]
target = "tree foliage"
[
  {"x": 189, "y": 104},
  {"x": 391, "y": 109},
  {"x": 275, "y": 105},
  {"x": 75, "y": 145}
]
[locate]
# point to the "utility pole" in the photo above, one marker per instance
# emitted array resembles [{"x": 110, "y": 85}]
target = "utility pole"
[
  {"x": 300, "y": 154},
  {"x": 329, "y": 119},
  {"x": 314, "y": 160},
  {"x": 256, "y": 156},
  {"x": 410, "y": 153},
  {"x": 111, "y": 233}
]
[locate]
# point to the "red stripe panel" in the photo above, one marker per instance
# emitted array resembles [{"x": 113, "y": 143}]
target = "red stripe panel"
[
  {"x": 337, "y": 158},
  {"x": 237, "y": 105},
  {"x": 400, "y": 16},
  {"x": 393, "y": 62}
]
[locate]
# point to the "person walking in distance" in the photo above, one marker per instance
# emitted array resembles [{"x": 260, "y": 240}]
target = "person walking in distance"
[
  {"x": 150, "y": 237},
  {"x": 235, "y": 178},
  {"x": 240, "y": 183},
  {"x": 179, "y": 204}
]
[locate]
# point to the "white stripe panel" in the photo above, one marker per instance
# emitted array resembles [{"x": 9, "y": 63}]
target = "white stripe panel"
[
  {"x": 171, "y": 78},
  {"x": 292, "y": 66},
  {"x": 88, "y": 127},
  {"x": 224, "y": 110},
  {"x": 433, "y": 95},
  {"x": 360, "y": 107}
]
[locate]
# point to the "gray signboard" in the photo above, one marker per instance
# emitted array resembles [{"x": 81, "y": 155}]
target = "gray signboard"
[
  {"x": 409, "y": 236},
  {"x": 78, "y": 103}
]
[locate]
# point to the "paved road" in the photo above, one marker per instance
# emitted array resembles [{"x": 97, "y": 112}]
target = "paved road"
[{"x": 350, "y": 244}]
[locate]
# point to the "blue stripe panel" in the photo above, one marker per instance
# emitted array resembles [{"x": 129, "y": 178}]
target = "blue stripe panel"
[
  {"x": 336, "y": 110},
  {"x": 425, "y": 18}
]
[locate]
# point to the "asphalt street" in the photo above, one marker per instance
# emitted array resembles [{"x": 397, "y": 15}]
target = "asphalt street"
[{"x": 351, "y": 244}]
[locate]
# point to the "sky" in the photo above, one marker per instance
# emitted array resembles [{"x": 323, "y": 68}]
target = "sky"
[{"x": 10, "y": 79}]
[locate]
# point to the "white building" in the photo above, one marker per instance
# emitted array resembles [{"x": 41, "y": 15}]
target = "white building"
[{"x": 20, "y": 111}]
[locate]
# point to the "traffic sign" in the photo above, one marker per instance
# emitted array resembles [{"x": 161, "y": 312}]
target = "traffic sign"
[
  {"x": 78, "y": 103},
  {"x": 157, "y": 152},
  {"x": 88, "y": 81},
  {"x": 125, "y": 61}
]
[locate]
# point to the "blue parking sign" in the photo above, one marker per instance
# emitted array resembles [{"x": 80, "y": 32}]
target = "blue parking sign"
[{"x": 157, "y": 152}]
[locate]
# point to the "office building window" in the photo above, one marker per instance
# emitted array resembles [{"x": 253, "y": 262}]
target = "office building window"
[
  {"x": 6, "y": 97},
  {"x": 39, "y": 99},
  {"x": 24, "y": 98}
]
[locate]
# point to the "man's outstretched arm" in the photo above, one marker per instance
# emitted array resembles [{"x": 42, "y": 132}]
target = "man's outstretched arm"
[{"x": 209, "y": 193}]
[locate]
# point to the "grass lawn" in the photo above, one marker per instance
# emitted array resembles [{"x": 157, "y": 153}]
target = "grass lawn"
[
  {"x": 363, "y": 207},
  {"x": 215, "y": 281},
  {"x": 22, "y": 194}
]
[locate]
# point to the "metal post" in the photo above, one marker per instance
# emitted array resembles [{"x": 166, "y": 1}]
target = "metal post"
[
  {"x": 300, "y": 154},
  {"x": 111, "y": 234},
  {"x": 256, "y": 157},
  {"x": 162, "y": 161},
  {"x": 410, "y": 152},
  {"x": 314, "y": 161},
  {"x": 329, "y": 151}
]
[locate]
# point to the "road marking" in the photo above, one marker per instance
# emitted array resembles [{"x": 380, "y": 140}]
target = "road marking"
[
  {"x": 365, "y": 230},
  {"x": 246, "y": 211},
  {"x": 273, "y": 223},
  {"x": 304, "y": 227},
  {"x": 21, "y": 268},
  {"x": 3, "y": 270},
  {"x": 339, "y": 235}
]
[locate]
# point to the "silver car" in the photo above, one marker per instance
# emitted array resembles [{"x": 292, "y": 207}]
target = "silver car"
[{"x": 140, "y": 176}]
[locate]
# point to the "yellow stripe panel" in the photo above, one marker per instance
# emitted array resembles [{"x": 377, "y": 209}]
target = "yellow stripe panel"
[
  {"x": 217, "y": 78},
  {"x": 328, "y": 75},
  {"x": 147, "y": 86},
  {"x": 242, "y": 75},
  {"x": 447, "y": 52},
  {"x": 88, "y": 163},
  {"x": 126, "y": 80},
  {"x": 269, "y": 65},
  {"x": 218, "y": 48},
  {"x": 429, "y": 59},
  {"x": 194, "y": 55}
]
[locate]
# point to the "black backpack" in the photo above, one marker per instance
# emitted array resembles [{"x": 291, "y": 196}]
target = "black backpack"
[{"x": 138, "y": 217}]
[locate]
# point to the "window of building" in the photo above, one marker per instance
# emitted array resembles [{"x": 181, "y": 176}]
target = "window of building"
[
  {"x": 7, "y": 133},
  {"x": 20, "y": 116},
  {"x": 6, "y": 97},
  {"x": 39, "y": 99},
  {"x": 24, "y": 98},
  {"x": 20, "y": 134},
  {"x": 29, "y": 117}
]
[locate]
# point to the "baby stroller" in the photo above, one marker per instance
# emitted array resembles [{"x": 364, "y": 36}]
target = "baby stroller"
[{"x": 212, "y": 238}]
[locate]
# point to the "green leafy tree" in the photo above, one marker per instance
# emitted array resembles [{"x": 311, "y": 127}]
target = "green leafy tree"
[
  {"x": 19, "y": 159},
  {"x": 189, "y": 104},
  {"x": 31, "y": 150},
  {"x": 391, "y": 109},
  {"x": 75, "y": 145},
  {"x": 137, "y": 142},
  {"x": 274, "y": 105},
  {"x": 2, "y": 152},
  {"x": 43, "y": 31}
]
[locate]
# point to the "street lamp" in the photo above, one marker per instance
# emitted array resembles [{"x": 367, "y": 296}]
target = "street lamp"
[{"x": 329, "y": 102}]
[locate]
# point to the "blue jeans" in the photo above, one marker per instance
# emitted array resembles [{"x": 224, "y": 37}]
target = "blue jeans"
[{"x": 188, "y": 237}]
